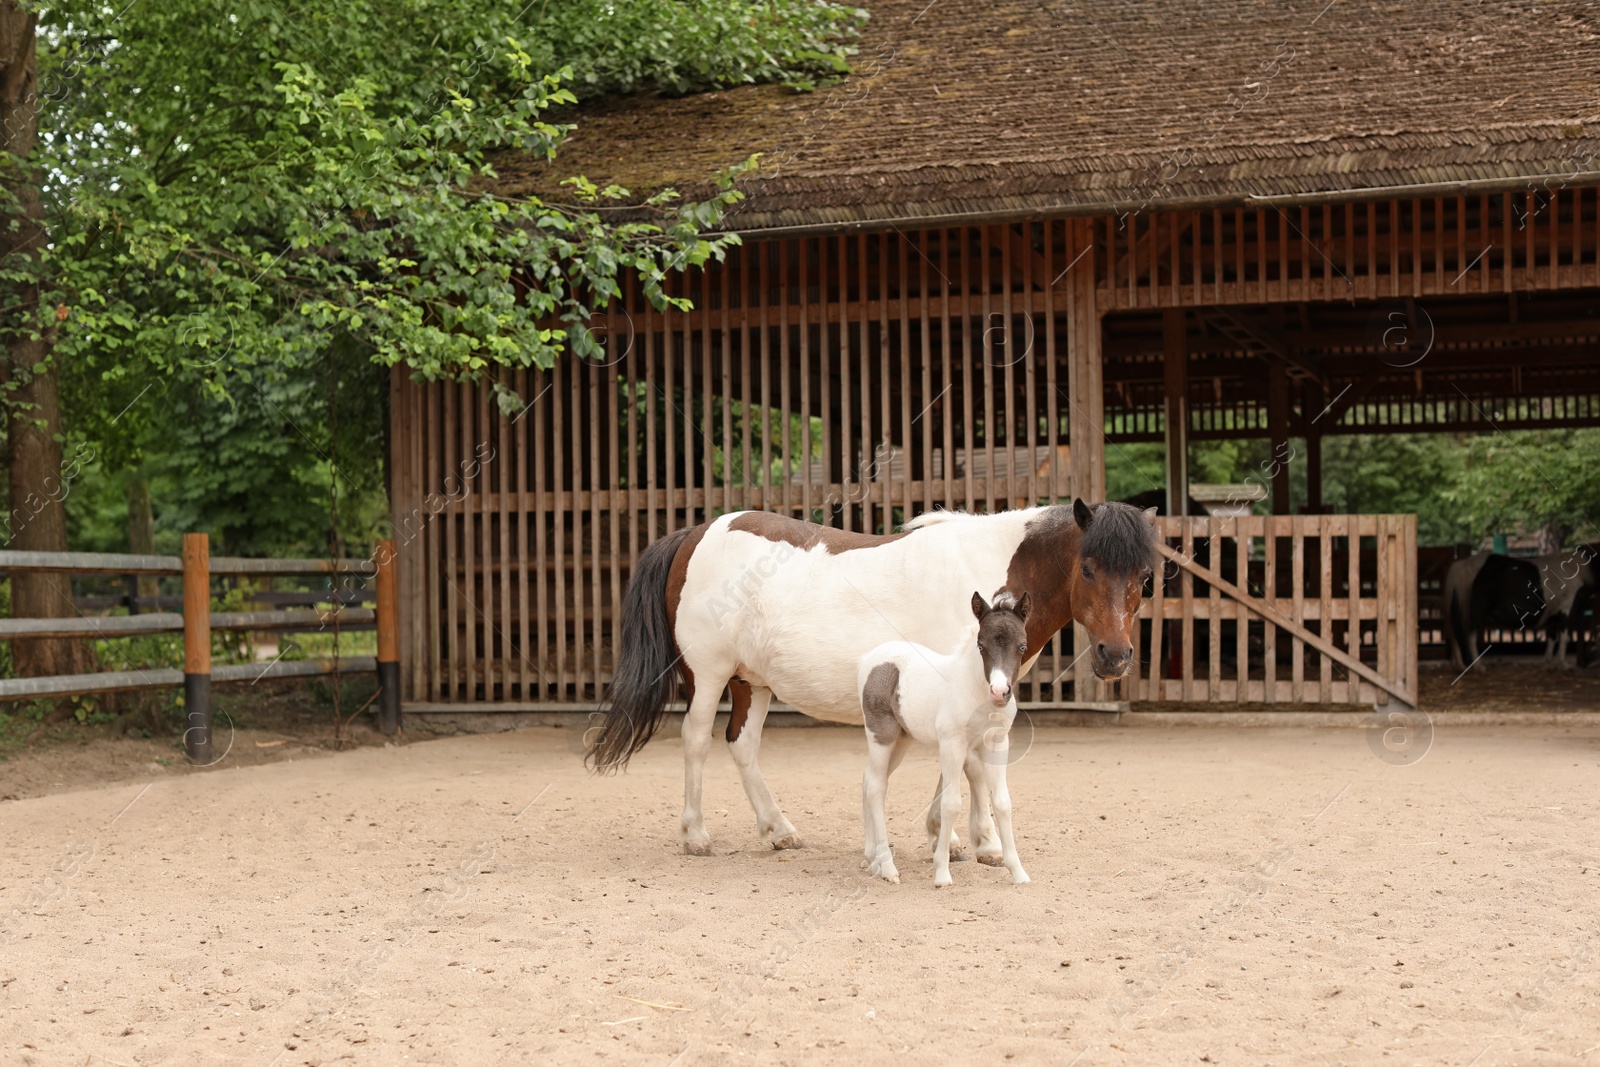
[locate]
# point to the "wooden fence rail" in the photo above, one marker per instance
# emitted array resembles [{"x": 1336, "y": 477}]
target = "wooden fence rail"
[{"x": 197, "y": 623}]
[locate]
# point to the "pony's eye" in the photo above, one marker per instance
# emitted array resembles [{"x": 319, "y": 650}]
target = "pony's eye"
[{"x": 1088, "y": 575}]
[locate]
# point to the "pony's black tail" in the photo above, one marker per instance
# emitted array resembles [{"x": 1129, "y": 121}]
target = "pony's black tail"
[{"x": 646, "y": 675}]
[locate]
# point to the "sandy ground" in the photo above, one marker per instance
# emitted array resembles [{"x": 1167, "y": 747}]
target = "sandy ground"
[{"x": 1211, "y": 896}]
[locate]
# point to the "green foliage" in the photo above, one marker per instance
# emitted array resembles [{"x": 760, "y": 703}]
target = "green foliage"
[
  {"x": 253, "y": 212},
  {"x": 1528, "y": 479}
]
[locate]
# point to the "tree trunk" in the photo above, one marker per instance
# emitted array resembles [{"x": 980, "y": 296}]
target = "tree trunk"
[
  {"x": 38, "y": 519},
  {"x": 141, "y": 527}
]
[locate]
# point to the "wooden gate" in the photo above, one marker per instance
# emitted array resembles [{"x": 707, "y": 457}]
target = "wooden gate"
[{"x": 1304, "y": 609}]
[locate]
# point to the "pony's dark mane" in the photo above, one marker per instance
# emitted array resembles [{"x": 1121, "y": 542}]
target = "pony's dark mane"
[{"x": 1119, "y": 538}]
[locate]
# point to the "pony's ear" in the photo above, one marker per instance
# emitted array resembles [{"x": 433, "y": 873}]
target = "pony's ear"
[
  {"x": 980, "y": 607},
  {"x": 1024, "y": 604},
  {"x": 1081, "y": 512},
  {"x": 1150, "y": 515}
]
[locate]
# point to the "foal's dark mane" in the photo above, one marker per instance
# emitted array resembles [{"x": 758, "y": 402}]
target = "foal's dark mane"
[{"x": 1119, "y": 538}]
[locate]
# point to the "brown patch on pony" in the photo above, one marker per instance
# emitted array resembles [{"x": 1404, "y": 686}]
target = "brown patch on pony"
[
  {"x": 679, "y": 574},
  {"x": 739, "y": 690},
  {"x": 880, "y": 703},
  {"x": 1043, "y": 566},
  {"x": 676, "y": 577},
  {"x": 807, "y": 535}
]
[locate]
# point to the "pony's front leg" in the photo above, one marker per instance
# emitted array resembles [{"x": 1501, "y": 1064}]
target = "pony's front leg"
[
  {"x": 996, "y": 773},
  {"x": 874, "y": 820},
  {"x": 697, "y": 725},
  {"x": 952, "y": 755},
  {"x": 744, "y": 743},
  {"x": 980, "y": 820}
]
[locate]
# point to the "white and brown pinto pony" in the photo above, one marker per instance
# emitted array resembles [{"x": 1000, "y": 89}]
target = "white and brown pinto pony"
[{"x": 759, "y": 604}]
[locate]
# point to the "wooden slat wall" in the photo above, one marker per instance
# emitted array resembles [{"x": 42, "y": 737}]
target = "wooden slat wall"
[
  {"x": 1349, "y": 578},
  {"x": 855, "y": 380},
  {"x": 941, "y": 368}
]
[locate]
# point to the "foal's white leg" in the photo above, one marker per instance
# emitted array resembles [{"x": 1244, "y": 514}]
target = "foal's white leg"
[
  {"x": 980, "y": 821},
  {"x": 771, "y": 824},
  {"x": 952, "y": 755},
  {"x": 697, "y": 726},
  {"x": 874, "y": 820},
  {"x": 1002, "y": 812}
]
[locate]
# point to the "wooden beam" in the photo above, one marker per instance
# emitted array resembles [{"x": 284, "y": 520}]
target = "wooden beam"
[
  {"x": 1273, "y": 342},
  {"x": 1278, "y": 432},
  {"x": 1175, "y": 366}
]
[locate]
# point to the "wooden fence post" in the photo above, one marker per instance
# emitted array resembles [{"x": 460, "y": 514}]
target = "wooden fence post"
[
  {"x": 197, "y": 645},
  {"x": 388, "y": 619}
]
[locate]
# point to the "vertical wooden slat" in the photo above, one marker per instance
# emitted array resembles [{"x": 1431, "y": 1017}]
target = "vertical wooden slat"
[
  {"x": 1407, "y": 551},
  {"x": 474, "y": 572},
  {"x": 986, "y": 256},
  {"x": 1242, "y": 527},
  {"x": 505, "y": 471},
  {"x": 619, "y": 501},
  {"x": 1052, "y": 406},
  {"x": 847, "y": 457},
  {"x": 969, "y": 354},
  {"x": 783, "y": 370},
  {"x": 543, "y": 385},
  {"x": 732, "y": 475},
  {"x": 525, "y": 506},
  {"x": 1215, "y": 527},
  {"x": 1030, "y": 403},
  {"x": 928, "y": 396},
  {"x": 1216, "y": 255},
  {"x": 902, "y": 244},
  {"x": 1156, "y": 689},
  {"x": 1395, "y": 279},
  {"x": 947, "y": 430},
  {"x": 746, "y": 471},
  {"x": 1325, "y": 602},
  {"x": 594, "y": 559},
  {"x": 1416, "y": 247},
  {"x": 557, "y": 559},
  {"x": 870, "y": 435},
  {"x": 1186, "y": 642},
  {"x": 1269, "y": 630},
  {"x": 1297, "y": 557},
  {"x": 708, "y": 388},
  {"x": 807, "y": 375},
  {"x": 765, "y": 404},
  {"x": 1438, "y": 245},
  {"x": 1008, "y": 399},
  {"x": 1353, "y": 578}
]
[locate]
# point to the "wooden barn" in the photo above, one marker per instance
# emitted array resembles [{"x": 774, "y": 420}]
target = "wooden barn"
[{"x": 1015, "y": 239}]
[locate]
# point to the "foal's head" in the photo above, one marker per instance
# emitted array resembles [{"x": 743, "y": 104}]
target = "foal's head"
[
  {"x": 1002, "y": 641},
  {"x": 1116, "y": 554}
]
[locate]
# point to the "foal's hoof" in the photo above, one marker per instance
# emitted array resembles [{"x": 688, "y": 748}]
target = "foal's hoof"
[
  {"x": 697, "y": 848},
  {"x": 789, "y": 840},
  {"x": 991, "y": 859}
]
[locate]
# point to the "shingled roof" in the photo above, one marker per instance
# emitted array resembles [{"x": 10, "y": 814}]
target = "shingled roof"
[{"x": 963, "y": 109}]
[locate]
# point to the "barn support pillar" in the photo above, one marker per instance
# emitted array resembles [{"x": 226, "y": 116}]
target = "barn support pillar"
[
  {"x": 1313, "y": 401},
  {"x": 1278, "y": 431},
  {"x": 1086, "y": 417},
  {"x": 1175, "y": 366}
]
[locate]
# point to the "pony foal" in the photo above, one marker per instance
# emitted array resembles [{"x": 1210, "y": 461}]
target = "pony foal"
[{"x": 963, "y": 703}]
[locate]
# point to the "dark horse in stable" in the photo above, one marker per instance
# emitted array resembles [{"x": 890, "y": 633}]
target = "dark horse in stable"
[
  {"x": 763, "y": 604},
  {"x": 1488, "y": 591}
]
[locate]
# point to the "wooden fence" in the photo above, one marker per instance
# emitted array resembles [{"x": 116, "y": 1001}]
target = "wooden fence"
[{"x": 198, "y": 621}]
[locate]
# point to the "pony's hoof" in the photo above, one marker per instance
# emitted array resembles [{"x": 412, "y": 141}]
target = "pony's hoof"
[
  {"x": 942, "y": 880},
  {"x": 991, "y": 859},
  {"x": 789, "y": 840},
  {"x": 697, "y": 848}
]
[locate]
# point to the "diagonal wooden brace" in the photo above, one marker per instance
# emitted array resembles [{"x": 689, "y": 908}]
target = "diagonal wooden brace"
[{"x": 1270, "y": 614}]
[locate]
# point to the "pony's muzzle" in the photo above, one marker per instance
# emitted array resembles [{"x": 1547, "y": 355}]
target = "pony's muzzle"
[
  {"x": 1111, "y": 663},
  {"x": 999, "y": 697}
]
